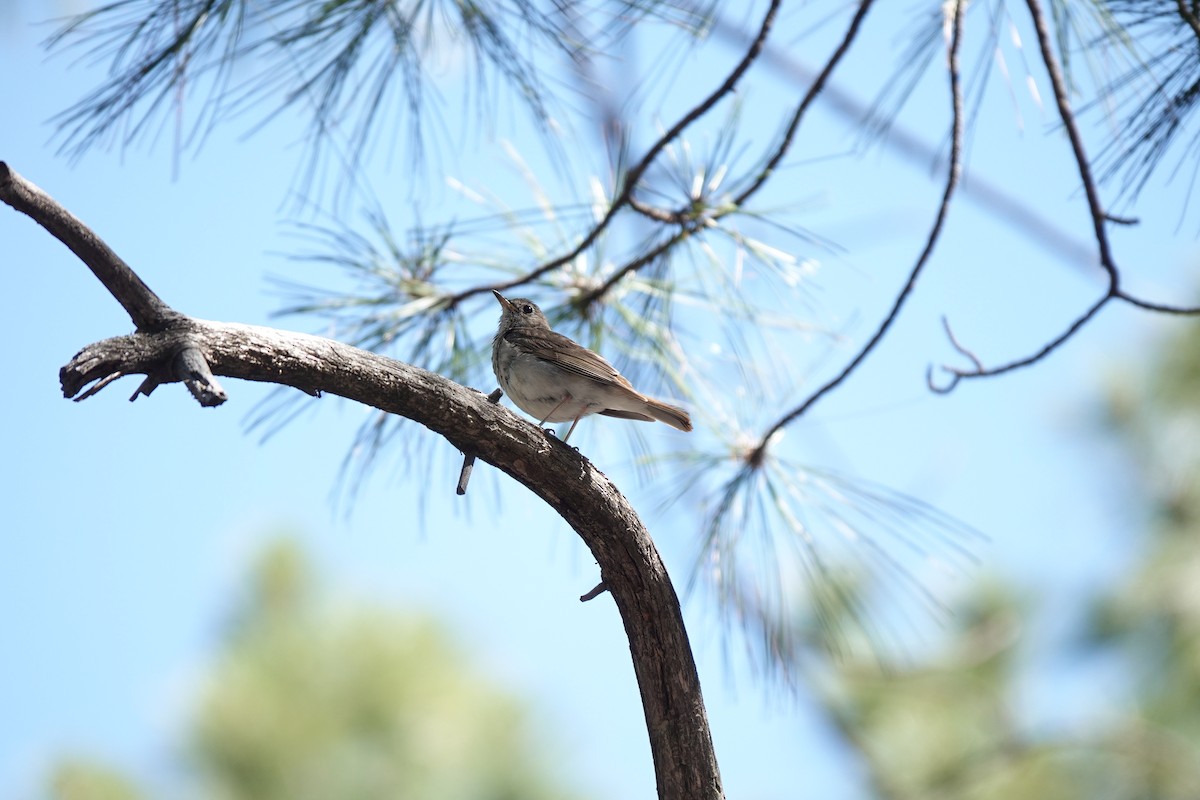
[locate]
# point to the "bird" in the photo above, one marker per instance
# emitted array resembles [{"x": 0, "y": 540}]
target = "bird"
[{"x": 555, "y": 379}]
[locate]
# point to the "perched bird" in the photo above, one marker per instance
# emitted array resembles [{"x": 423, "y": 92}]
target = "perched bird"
[{"x": 555, "y": 379}]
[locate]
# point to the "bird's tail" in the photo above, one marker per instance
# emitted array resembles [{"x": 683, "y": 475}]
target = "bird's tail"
[{"x": 672, "y": 415}]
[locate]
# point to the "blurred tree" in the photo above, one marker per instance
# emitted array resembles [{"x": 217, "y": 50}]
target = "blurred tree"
[
  {"x": 1153, "y": 620},
  {"x": 311, "y": 701},
  {"x": 951, "y": 728}
]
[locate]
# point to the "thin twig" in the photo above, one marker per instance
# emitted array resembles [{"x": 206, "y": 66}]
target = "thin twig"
[
  {"x": 634, "y": 175},
  {"x": 1082, "y": 163},
  {"x": 809, "y": 96},
  {"x": 464, "y": 475},
  {"x": 598, "y": 590},
  {"x": 952, "y": 176},
  {"x": 956, "y": 374},
  {"x": 592, "y": 295},
  {"x": 688, "y": 215},
  {"x": 100, "y": 384},
  {"x": 959, "y": 346}
]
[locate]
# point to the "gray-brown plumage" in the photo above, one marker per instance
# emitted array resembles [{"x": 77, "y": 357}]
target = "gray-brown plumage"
[{"x": 555, "y": 379}]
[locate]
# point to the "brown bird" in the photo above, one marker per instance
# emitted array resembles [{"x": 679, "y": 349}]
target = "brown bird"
[{"x": 555, "y": 379}]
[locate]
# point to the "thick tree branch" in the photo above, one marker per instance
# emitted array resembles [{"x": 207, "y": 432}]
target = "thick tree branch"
[
  {"x": 183, "y": 348},
  {"x": 147, "y": 311}
]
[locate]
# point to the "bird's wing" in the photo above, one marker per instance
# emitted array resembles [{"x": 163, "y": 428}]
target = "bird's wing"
[
  {"x": 563, "y": 351},
  {"x": 615, "y": 412}
]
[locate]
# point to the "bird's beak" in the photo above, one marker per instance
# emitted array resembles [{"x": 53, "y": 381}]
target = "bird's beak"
[{"x": 507, "y": 306}]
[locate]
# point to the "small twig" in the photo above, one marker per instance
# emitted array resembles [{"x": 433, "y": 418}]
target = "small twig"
[
  {"x": 100, "y": 384},
  {"x": 1049, "y": 347},
  {"x": 981, "y": 372},
  {"x": 959, "y": 346},
  {"x": 192, "y": 369},
  {"x": 147, "y": 386},
  {"x": 599, "y": 589},
  {"x": 159, "y": 373},
  {"x": 1116, "y": 220},
  {"x": 955, "y": 374},
  {"x": 464, "y": 475}
]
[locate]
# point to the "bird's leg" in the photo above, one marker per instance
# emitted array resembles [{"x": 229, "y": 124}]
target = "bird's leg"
[
  {"x": 551, "y": 414},
  {"x": 582, "y": 411}
]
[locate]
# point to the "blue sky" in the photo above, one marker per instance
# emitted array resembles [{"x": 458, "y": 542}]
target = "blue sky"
[{"x": 129, "y": 526}]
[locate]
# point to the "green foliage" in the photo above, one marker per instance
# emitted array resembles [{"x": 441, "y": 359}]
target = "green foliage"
[
  {"x": 949, "y": 727},
  {"x": 312, "y": 702},
  {"x": 356, "y": 69},
  {"x": 365, "y": 704},
  {"x": 82, "y": 779}
]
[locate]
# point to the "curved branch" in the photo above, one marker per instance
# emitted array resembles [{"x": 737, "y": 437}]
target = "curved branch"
[
  {"x": 630, "y": 566},
  {"x": 980, "y": 371},
  {"x": 1149, "y": 305},
  {"x": 935, "y": 231}
]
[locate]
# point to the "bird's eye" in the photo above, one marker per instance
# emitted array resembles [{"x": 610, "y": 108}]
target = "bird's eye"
[{"x": 527, "y": 309}]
